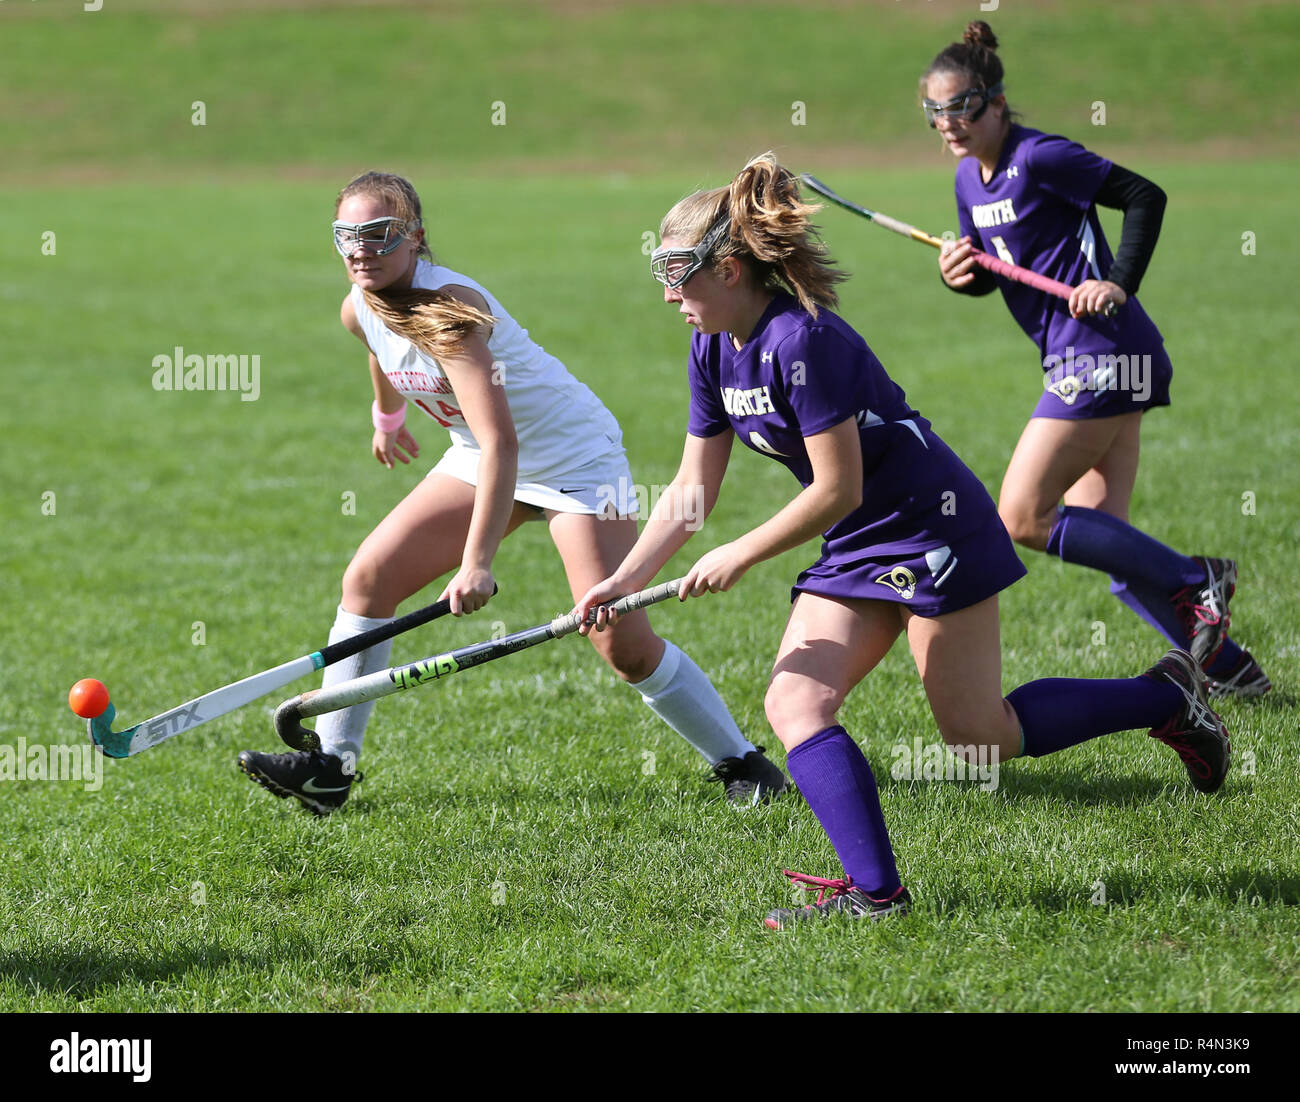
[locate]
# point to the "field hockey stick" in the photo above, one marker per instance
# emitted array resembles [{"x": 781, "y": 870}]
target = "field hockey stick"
[
  {"x": 127, "y": 743},
  {"x": 290, "y": 714},
  {"x": 994, "y": 264}
]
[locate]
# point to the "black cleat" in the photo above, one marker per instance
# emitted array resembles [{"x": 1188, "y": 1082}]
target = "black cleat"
[
  {"x": 1194, "y": 732},
  {"x": 1203, "y": 609},
  {"x": 836, "y": 897},
  {"x": 318, "y": 781},
  {"x": 1245, "y": 680},
  {"x": 750, "y": 780}
]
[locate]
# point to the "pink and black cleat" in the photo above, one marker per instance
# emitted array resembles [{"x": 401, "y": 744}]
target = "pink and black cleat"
[
  {"x": 1203, "y": 609},
  {"x": 1245, "y": 680},
  {"x": 1194, "y": 732},
  {"x": 837, "y": 897}
]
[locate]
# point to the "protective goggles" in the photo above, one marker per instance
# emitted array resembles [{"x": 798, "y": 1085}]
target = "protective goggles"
[
  {"x": 673, "y": 267},
  {"x": 959, "y": 106},
  {"x": 380, "y": 235}
]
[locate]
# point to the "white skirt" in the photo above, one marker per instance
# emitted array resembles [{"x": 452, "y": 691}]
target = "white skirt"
[{"x": 603, "y": 487}]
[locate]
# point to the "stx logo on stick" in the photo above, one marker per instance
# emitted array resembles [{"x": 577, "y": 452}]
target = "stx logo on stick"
[
  {"x": 419, "y": 672},
  {"x": 179, "y": 720}
]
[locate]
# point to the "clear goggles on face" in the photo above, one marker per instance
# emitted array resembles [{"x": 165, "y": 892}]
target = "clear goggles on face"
[
  {"x": 380, "y": 235},
  {"x": 673, "y": 267},
  {"x": 959, "y": 106}
]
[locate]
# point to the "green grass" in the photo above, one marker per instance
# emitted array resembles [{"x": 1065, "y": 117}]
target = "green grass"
[
  {"x": 634, "y": 85},
  {"x": 513, "y": 846}
]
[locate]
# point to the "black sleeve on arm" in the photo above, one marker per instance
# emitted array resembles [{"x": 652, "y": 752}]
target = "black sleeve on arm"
[
  {"x": 984, "y": 283},
  {"x": 1143, "y": 204}
]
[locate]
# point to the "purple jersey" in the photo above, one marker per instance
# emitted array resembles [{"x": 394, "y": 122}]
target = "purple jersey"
[
  {"x": 1037, "y": 212},
  {"x": 797, "y": 376}
]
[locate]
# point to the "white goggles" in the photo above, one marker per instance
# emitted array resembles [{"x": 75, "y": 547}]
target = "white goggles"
[
  {"x": 673, "y": 267},
  {"x": 959, "y": 107},
  {"x": 380, "y": 235}
]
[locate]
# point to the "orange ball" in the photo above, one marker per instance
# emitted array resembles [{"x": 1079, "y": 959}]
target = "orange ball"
[{"x": 88, "y": 698}]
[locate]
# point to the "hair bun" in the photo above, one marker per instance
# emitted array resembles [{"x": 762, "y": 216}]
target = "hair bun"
[{"x": 978, "y": 33}]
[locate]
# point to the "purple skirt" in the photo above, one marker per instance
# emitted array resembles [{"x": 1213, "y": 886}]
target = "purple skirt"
[
  {"x": 1086, "y": 386},
  {"x": 931, "y": 579}
]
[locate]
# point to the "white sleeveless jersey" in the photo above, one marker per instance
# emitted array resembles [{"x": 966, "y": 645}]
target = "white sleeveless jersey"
[{"x": 561, "y": 425}]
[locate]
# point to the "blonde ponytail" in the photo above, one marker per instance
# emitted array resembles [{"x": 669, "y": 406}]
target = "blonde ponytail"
[
  {"x": 435, "y": 322},
  {"x": 770, "y": 229}
]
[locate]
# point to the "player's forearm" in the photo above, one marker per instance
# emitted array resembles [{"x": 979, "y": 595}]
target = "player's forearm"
[
  {"x": 807, "y": 516},
  {"x": 494, "y": 500},
  {"x": 678, "y": 514},
  {"x": 1143, "y": 204},
  {"x": 390, "y": 401}
]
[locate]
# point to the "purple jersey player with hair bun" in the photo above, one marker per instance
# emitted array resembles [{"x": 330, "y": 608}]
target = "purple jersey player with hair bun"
[
  {"x": 912, "y": 542},
  {"x": 1032, "y": 198}
]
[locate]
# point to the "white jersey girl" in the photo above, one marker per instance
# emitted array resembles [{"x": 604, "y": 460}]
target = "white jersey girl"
[
  {"x": 528, "y": 442},
  {"x": 569, "y": 443}
]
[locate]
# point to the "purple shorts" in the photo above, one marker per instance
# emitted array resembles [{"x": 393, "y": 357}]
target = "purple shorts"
[
  {"x": 931, "y": 579},
  {"x": 1083, "y": 386}
]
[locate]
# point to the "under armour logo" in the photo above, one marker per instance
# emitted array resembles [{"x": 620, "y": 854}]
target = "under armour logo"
[
  {"x": 765, "y": 357},
  {"x": 1013, "y": 172}
]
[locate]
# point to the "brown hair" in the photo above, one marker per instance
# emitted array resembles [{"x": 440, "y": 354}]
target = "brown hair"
[
  {"x": 769, "y": 228},
  {"x": 975, "y": 56},
  {"x": 433, "y": 321}
]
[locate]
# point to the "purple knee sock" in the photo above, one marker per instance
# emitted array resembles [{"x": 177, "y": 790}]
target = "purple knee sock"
[
  {"x": 1056, "y": 712},
  {"x": 1154, "y": 606},
  {"x": 1224, "y": 660},
  {"x": 1089, "y": 537},
  {"x": 837, "y": 782}
]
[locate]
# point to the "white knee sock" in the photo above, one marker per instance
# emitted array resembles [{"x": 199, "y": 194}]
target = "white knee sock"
[
  {"x": 680, "y": 694},
  {"x": 341, "y": 732}
]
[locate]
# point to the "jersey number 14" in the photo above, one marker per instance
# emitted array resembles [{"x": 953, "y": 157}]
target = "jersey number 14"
[{"x": 448, "y": 411}]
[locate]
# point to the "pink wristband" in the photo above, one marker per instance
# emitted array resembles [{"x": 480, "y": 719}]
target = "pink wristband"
[{"x": 387, "y": 422}]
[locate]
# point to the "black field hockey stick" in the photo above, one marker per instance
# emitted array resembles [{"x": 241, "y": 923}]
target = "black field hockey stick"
[
  {"x": 219, "y": 702},
  {"x": 290, "y": 714}
]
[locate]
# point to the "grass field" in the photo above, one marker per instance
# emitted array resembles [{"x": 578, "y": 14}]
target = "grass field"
[{"x": 527, "y": 835}]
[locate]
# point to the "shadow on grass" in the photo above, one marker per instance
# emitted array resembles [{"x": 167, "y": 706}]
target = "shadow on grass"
[
  {"x": 1087, "y": 789},
  {"x": 416, "y": 793},
  {"x": 1242, "y": 886},
  {"x": 403, "y": 799},
  {"x": 81, "y": 973},
  {"x": 1061, "y": 786},
  {"x": 1277, "y": 700}
]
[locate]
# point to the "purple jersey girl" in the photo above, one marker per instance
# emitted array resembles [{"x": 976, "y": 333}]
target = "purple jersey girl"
[
  {"x": 912, "y": 543},
  {"x": 926, "y": 533},
  {"x": 1031, "y": 198}
]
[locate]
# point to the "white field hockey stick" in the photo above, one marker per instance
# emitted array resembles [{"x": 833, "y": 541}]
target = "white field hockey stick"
[
  {"x": 994, "y": 264},
  {"x": 125, "y": 744},
  {"x": 290, "y": 714}
]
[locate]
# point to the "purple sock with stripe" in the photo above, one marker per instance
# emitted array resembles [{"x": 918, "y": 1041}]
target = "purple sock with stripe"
[
  {"x": 837, "y": 782},
  {"x": 1056, "y": 712},
  {"x": 1155, "y": 608},
  {"x": 1089, "y": 537},
  {"x": 1224, "y": 660}
]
